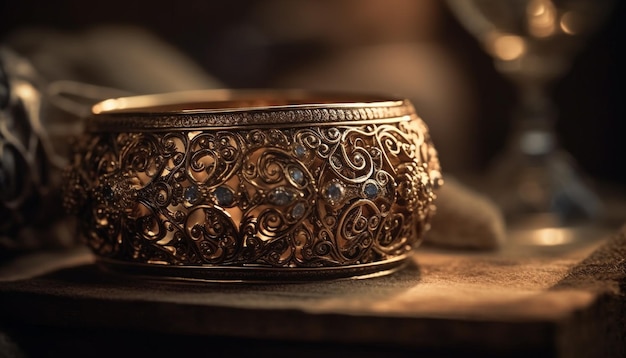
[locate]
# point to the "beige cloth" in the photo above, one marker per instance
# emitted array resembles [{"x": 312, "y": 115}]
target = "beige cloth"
[{"x": 465, "y": 219}]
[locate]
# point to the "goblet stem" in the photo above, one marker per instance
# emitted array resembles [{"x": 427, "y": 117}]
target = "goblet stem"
[{"x": 535, "y": 181}]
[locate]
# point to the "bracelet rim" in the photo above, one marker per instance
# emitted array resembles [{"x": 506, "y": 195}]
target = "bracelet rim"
[
  {"x": 213, "y": 109},
  {"x": 253, "y": 274}
]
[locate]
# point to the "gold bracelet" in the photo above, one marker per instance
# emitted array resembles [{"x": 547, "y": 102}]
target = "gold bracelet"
[{"x": 253, "y": 185}]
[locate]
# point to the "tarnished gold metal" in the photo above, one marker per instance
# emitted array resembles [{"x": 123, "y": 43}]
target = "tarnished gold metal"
[{"x": 253, "y": 185}]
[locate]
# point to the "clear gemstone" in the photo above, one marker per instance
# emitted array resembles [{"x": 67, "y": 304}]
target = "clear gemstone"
[
  {"x": 334, "y": 192},
  {"x": 296, "y": 175},
  {"x": 280, "y": 196},
  {"x": 300, "y": 151},
  {"x": 370, "y": 190},
  {"x": 298, "y": 210},
  {"x": 192, "y": 194},
  {"x": 224, "y": 195}
]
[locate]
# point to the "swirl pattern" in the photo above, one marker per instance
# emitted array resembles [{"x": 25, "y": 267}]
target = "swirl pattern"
[
  {"x": 310, "y": 197},
  {"x": 307, "y": 189}
]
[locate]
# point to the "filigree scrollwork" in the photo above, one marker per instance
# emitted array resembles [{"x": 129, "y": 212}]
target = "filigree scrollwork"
[{"x": 311, "y": 197}]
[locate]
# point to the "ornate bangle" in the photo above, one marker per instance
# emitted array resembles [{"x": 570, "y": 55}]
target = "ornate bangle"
[{"x": 245, "y": 185}]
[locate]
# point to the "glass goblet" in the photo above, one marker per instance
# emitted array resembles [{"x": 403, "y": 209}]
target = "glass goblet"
[{"x": 532, "y": 43}]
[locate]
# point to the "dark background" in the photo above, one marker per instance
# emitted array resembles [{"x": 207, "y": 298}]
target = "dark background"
[{"x": 226, "y": 39}]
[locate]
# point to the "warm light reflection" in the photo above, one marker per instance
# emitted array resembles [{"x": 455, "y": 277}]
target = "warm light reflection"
[
  {"x": 551, "y": 237},
  {"x": 508, "y": 47},
  {"x": 570, "y": 23},
  {"x": 164, "y": 99},
  {"x": 108, "y": 105},
  {"x": 541, "y": 18},
  {"x": 24, "y": 90}
]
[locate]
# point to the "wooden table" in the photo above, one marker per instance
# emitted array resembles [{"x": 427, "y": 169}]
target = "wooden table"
[{"x": 565, "y": 301}]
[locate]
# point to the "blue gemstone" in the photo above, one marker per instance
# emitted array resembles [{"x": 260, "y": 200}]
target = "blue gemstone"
[
  {"x": 280, "y": 196},
  {"x": 300, "y": 151},
  {"x": 192, "y": 194},
  {"x": 298, "y": 210},
  {"x": 296, "y": 175},
  {"x": 370, "y": 190},
  {"x": 224, "y": 196},
  {"x": 334, "y": 191}
]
